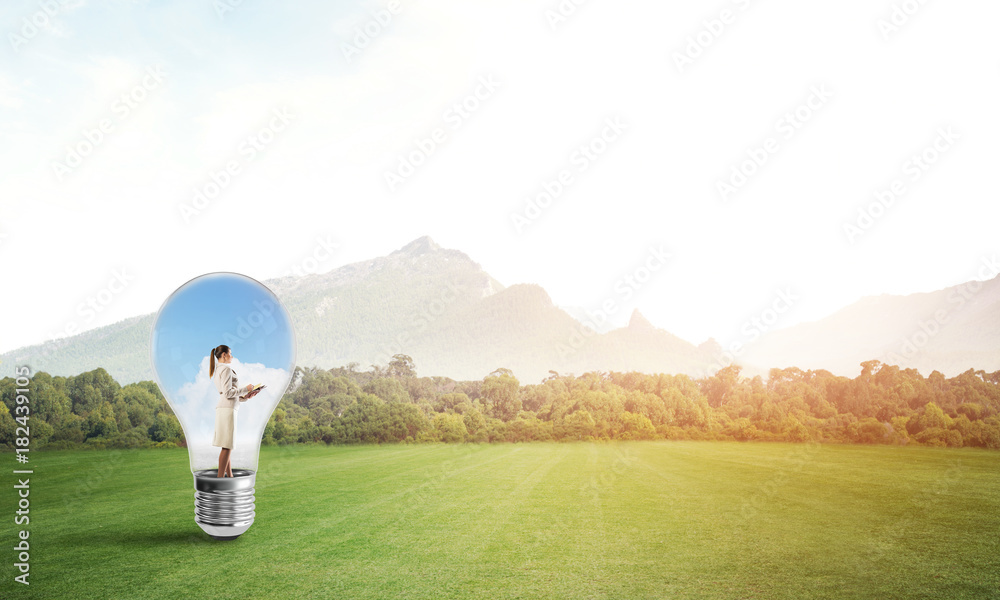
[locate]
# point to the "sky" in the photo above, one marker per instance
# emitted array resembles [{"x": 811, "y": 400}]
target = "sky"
[{"x": 770, "y": 150}]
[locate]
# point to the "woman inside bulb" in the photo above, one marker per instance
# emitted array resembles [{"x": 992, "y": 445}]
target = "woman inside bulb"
[{"x": 225, "y": 411}]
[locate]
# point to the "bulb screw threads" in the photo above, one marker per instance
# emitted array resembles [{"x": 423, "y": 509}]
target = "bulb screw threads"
[{"x": 224, "y": 508}]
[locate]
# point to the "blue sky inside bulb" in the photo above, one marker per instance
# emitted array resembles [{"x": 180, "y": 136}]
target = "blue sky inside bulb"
[{"x": 231, "y": 309}]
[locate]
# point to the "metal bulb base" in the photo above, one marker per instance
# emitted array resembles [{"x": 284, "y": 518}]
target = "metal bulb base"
[{"x": 224, "y": 507}]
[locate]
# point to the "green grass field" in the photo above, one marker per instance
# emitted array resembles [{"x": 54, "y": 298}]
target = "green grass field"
[{"x": 579, "y": 520}]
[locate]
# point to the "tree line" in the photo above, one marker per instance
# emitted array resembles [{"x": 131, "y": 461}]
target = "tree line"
[{"x": 388, "y": 404}]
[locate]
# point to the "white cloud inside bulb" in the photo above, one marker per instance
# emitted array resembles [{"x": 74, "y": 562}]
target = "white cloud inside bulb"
[{"x": 195, "y": 408}]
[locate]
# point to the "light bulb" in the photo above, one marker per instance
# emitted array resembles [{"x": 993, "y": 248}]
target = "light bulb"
[{"x": 243, "y": 314}]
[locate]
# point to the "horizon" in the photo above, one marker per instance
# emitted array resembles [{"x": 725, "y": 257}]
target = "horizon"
[{"x": 836, "y": 171}]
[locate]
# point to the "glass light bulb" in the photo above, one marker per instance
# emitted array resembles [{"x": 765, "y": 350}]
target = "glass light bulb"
[{"x": 246, "y": 316}]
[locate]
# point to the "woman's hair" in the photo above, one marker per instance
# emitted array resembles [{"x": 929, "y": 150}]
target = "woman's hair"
[{"x": 215, "y": 353}]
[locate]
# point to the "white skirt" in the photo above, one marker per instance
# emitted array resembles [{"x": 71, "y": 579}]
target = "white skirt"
[{"x": 225, "y": 427}]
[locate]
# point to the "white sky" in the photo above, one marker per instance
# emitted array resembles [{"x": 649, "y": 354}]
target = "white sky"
[{"x": 323, "y": 175}]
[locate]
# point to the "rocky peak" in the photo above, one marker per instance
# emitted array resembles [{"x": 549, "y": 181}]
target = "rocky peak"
[
  {"x": 419, "y": 246},
  {"x": 638, "y": 322}
]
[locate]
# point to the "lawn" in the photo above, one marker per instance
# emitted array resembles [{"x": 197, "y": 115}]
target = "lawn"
[{"x": 629, "y": 520}]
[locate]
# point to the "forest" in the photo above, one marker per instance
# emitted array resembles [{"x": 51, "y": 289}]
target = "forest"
[{"x": 391, "y": 404}]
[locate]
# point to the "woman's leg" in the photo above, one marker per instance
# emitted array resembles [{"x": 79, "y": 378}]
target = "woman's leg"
[
  {"x": 223, "y": 462},
  {"x": 229, "y": 464}
]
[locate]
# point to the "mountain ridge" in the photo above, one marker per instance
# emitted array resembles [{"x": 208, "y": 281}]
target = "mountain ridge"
[
  {"x": 454, "y": 319},
  {"x": 432, "y": 303},
  {"x": 949, "y": 330}
]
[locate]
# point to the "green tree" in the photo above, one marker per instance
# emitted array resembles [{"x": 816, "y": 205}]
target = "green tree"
[
  {"x": 401, "y": 366},
  {"x": 88, "y": 390},
  {"x": 101, "y": 421},
  {"x": 49, "y": 400},
  {"x": 474, "y": 421},
  {"x": 8, "y": 426},
  {"x": 719, "y": 388},
  {"x": 577, "y": 426},
  {"x": 500, "y": 394},
  {"x": 451, "y": 402},
  {"x": 870, "y": 431},
  {"x": 742, "y": 429},
  {"x": 636, "y": 427},
  {"x": 932, "y": 417},
  {"x": 450, "y": 427},
  {"x": 165, "y": 428},
  {"x": 387, "y": 389}
]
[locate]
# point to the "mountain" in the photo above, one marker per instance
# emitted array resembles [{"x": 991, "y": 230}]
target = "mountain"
[
  {"x": 432, "y": 303},
  {"x": 583, "y": 315},
  {"x": 439, "y": 306},
  {"x": 122, "y": 348},
  {"x": 949, "y": 330},
  {"x": 367, "y": 311}
]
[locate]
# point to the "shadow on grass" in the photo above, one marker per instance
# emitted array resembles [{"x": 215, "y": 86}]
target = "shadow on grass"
[{"x": 188, "y": 536}]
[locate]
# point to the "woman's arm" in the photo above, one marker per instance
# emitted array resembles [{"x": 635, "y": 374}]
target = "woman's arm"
[
  {"x": 232, "y": 391},
  {"x": 232, "y": 388}
]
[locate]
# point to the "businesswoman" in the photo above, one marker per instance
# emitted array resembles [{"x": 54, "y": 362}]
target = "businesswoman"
[{"x": 225, "y": 411}]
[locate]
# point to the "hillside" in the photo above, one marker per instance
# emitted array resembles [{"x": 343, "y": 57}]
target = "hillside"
[
  {"x": 441, "y": 308},
  {"x": 435, "y": 304},
  {"x": 948, "y": 330}
]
